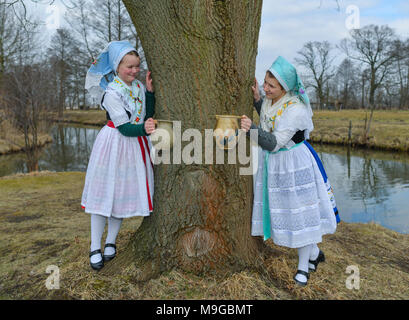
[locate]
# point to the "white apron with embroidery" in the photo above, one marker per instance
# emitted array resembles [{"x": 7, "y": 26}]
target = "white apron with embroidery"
[
  {"x": 300, "y": 209},
  {"x": 119, "y": 181}
]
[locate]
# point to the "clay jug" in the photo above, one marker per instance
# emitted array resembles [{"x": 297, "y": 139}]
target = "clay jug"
[
  {"x": 227, "y": 132},
  {"x": 162, "y": 138}
]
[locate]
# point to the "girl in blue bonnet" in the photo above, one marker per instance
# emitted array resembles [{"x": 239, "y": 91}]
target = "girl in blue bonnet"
[
  {"x": 293, "y": 200},
  {"x": 119, "y": 179}
]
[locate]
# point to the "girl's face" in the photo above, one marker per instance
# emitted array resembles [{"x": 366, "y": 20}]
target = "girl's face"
[
  {"x": 272, "y": 88},
  {"x": 129, "y": 68}
]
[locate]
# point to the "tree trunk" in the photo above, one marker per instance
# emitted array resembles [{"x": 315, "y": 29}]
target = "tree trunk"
[
  {"x": 363, "y": 92},
  {"x": 321, "y": 97},
  {"x": 119, "y": 18},
  {"x": 407, "y": 89},
  {"x": 109, "y": 21},
  {"x": 372, "y": 88},
  {"x": 202, "y": 58},
  {"x": 345, "y": 99}
]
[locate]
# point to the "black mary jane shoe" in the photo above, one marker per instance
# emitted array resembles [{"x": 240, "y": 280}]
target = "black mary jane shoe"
[
  {"x": 98, "y": 265},
  {"x": 111, "y": 256},
  {"x": 320, "y": 258},
  {"x": 302, "y": 284}
]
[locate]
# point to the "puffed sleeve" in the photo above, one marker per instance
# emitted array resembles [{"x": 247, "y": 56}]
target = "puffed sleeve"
[
  {"x": 295, "y": 118},
  {"x": 114, "y": 106}
]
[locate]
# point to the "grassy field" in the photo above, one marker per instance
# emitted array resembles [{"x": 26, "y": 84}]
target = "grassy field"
[
  {"x": 42, "y": 224},
  {"x": 12, "y": 141},
  {"x": 96, "y": 117},
  {"x": 389, "y": 130}
]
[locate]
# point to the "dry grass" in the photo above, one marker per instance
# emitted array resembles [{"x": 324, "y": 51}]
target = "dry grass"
[
  {"x": 42, "y": 224},
  {"x": 95, "y": 117},
  {"x": 13, "y": 141},
  {"x": 389, "y": 129}
]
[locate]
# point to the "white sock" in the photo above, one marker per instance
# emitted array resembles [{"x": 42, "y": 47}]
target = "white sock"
[
  {"x": 303, "y": 256},
  {"x": 114, "y": 224},
  {"x": 97, "y": 229},
  {"x": 313, "y": 254}
]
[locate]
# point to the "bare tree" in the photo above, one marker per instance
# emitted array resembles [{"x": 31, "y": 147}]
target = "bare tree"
[
  {"x": 402, "y": 71},
  {"x": 95, "y": 23},
  {"x": 28, "y": 91},
  {"x": 316, "y": 58},
  {"x": 63, "y": 52},
  {"x": 9, "y": 36},
  {"x": 25, "y": 100},
  {"x": 346, "y": 73},
  {"x": 202, "y": 57},
  {"x": 372, "y": 45},
  {"x": 78, "y": 20},
  {"x": 110, "y": 21}
]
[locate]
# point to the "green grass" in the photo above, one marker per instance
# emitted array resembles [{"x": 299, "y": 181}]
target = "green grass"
[
  {"x": 16, "y": 143},
  {"x": 42, "y": 224},
  {"x": 389, "y": 129},
  {"x": 11, "y": 140},
  {"x": 94, "y": 117}
]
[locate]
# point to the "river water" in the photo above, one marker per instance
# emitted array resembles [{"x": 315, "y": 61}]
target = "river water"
[{"x": 369, "y": 186}]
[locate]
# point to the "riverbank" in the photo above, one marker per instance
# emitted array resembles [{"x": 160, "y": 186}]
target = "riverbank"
[
  {"x": 93, "y": 117},
  {"x": 389, "y": 129},
  {"x": 42, "y": 224},
  {"x": 12, "y": 141}
]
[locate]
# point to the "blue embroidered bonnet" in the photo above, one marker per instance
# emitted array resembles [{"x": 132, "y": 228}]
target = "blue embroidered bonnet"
[{"x": 103, "y": 69}]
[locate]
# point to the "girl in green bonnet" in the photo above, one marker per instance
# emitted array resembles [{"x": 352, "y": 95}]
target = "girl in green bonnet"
[{"x": 291, "y": 201}]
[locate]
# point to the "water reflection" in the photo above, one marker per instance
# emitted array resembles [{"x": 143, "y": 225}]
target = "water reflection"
[
  {"x": 14, "y": 163},
  {"x": 70, "y": 149},
  {"x": 369, "y": 186}
]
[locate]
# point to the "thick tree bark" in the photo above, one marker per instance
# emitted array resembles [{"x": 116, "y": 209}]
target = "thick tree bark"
[{"x": 202, "y": 57}]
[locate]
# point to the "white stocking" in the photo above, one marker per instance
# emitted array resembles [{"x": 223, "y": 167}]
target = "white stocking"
[
  {"x": 303, "y": 257},
  {"x": 114, "y": 224},
  {"x": 313, "y": 254},
  {"x": 97, "y": 229}
]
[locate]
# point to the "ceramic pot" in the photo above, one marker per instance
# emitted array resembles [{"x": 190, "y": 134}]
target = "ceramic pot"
[
  {"x": 162, "y": 138},
  {"x": 227, "y": 131}
]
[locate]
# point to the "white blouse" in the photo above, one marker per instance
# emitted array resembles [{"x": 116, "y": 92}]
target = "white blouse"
[{"x": 117, "y": 106}]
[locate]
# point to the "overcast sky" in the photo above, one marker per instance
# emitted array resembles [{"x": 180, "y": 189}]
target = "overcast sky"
[{"x": 287, "y": 24}]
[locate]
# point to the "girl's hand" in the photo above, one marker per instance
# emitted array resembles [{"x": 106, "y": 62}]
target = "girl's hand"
[
  {"x": 149, "y": 83},
  {"x": 256, "y": 90},
  {"x": 245, "y": 123},
  {"x": 149, "y": 126}
]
